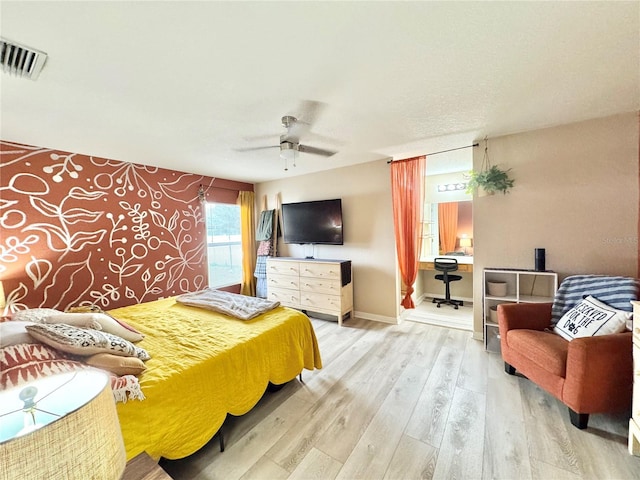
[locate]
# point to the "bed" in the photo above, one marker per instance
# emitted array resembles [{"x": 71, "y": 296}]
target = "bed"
[{"x": 204, "y": 366}]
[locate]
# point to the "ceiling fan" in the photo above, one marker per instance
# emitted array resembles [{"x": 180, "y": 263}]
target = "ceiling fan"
[{"x": 290, "y": 141}]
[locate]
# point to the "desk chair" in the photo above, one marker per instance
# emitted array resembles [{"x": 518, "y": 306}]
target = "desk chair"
[{"x": 447, "y": 265}]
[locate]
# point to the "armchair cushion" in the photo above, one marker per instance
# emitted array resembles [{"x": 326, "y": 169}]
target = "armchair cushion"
[{"x": 543, "y": 348}]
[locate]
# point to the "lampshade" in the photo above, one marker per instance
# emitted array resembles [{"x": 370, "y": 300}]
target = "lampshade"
[
  {"x": 465, "y": 242},
  {"x": 62, "y": 426}
]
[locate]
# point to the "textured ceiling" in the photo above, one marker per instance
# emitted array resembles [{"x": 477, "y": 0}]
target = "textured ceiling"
[{"x": 182, "y": 85}]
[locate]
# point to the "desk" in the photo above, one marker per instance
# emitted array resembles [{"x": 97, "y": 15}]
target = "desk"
[
  {"x": 428, "y": 286},
  {"x": 465, "y": 263}
]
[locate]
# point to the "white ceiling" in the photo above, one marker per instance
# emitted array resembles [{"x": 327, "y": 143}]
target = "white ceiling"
[{"x": 182, "y": 85}]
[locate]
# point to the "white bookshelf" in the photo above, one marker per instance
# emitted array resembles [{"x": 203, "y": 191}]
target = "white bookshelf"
[{"x": 523, "y": 286}]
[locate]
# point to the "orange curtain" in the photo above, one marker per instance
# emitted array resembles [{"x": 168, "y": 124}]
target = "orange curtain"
[
  {"x": 448, "y": 225},
  {"x": 407, "y": 191}
]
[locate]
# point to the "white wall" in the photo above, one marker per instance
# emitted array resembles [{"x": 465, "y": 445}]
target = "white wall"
[{"x": 369, "y": 242}]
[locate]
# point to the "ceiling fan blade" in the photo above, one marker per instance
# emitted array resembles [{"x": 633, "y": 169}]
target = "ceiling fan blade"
[
  {"x": 307, "y": 114},
  {"x": 249, "y": 149},
  {"x": 310, "y": 110},
  {"x": 315, "y": 151}
]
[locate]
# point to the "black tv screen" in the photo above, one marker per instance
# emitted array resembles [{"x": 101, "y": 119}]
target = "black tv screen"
[{"x": 318, "y": 222}]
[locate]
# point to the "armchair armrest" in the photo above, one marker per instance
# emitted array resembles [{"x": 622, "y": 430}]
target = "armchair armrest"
[
  {"x": 596, "y": 365},
  {"x": 530, "y": 316}
]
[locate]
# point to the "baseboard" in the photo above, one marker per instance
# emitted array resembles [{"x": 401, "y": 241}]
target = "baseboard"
[
  {"x": 440, "y": 320},
  {"x": 376, "y": 318}
]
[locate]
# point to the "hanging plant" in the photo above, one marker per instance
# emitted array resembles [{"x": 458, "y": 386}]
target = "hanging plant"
[{"x": 489, "y": 178}]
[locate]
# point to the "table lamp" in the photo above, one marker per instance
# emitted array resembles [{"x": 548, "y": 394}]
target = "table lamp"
[
  {"x": 465, "y": 242},
  {"x": 62, "y": 426}
]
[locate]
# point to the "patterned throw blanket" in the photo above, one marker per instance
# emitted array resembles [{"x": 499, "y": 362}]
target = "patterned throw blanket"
[
  {"x": 617, "y": 292},
  {"x": 232, "y": 304}
]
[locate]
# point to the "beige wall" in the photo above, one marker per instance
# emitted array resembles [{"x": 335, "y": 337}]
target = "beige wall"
[
  {"x": 460, "y": 290},
  {"x": 575, "y": 194},
  {"x": 369, "y": 242}
]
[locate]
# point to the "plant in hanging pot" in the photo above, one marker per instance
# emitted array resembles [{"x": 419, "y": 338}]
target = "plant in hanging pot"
[{"x": 491, "y": 180}]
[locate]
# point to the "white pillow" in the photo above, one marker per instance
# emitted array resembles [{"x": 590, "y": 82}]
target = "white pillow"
[
  {"x": 80, "y": 320},
  {"x": 102, "y": 321},
  {"x": 37, "y": 315},
  {"x": 591, "y": 318},
  {"x": 15, "y": 332}
]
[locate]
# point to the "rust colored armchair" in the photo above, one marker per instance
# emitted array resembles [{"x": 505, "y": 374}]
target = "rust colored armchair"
[{"x": 589, "y": 375}]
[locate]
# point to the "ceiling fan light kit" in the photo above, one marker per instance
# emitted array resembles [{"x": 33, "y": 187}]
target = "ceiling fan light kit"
[{"x": 288, "y": 152}]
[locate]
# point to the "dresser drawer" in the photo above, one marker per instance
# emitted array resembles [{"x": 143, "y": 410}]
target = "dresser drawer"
[
  {"x": 320, "y": 270},
  {"x": 319, "y": 285},
  {"x": 319, "y": 301},
  {"x": 277, "y": 280},
  {"x": 280, "y": 267},
  {"x": 290, "y": 298}
]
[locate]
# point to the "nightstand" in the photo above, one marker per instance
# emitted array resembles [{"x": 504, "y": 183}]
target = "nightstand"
[{"x": 143, "y": 467}]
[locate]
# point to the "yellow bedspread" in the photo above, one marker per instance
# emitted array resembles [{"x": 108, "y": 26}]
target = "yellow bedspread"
[{"x": 204, "y": 365}]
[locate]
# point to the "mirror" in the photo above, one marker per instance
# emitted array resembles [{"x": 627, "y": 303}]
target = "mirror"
[
  {"x": 447, "y": 207},
  {"x": 433, "y": 223}
]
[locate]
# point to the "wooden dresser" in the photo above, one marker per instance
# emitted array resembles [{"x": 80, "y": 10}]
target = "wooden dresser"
[
  {"x": 634, "y": 422},
  {"x": 314, "y": 285}
]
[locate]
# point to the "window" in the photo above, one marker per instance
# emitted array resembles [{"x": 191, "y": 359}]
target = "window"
[{"x": 224, "y": 247}]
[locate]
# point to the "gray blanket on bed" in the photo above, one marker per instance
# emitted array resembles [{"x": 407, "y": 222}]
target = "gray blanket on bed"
[{"x": 232, "y": 304}]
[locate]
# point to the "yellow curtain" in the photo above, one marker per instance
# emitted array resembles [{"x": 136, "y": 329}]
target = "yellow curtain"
[
  {"x": 448, "y": 226},
  {"x": 246, "y": 200}
]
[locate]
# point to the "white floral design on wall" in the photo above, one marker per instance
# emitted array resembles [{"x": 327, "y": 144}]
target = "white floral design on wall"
[{"x": 83, "y": 230}]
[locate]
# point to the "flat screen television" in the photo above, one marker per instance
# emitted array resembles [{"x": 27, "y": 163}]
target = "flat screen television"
[{"x": 317, "y": 222}]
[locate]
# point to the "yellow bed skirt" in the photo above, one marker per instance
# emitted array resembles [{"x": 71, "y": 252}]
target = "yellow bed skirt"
[{"x": 203, "y": 366}]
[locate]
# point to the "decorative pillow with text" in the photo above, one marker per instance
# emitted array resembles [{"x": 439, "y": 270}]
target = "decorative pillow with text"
[{"x": 591, "y": 318}]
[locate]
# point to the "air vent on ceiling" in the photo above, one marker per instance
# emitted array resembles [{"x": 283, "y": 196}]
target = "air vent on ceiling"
[{"x": 20, "y": 60}]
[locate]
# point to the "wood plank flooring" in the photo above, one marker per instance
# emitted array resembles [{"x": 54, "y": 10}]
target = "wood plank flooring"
[{"x": 410, "y": 401}]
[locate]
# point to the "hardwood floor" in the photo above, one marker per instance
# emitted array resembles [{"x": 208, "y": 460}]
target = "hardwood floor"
[{"x": 410, "y": 401}]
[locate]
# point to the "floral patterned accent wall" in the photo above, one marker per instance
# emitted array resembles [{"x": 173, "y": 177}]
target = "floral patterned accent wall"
[{"x": 79, "y": 230}]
